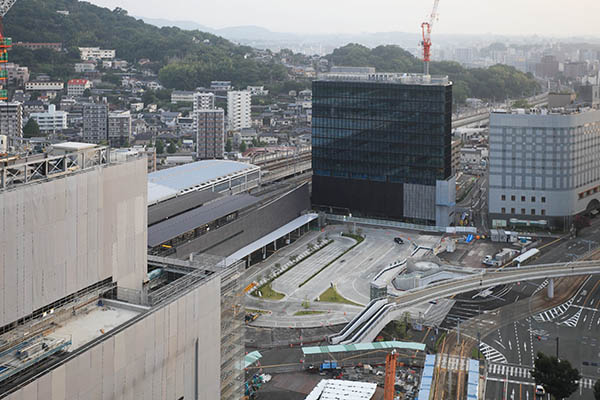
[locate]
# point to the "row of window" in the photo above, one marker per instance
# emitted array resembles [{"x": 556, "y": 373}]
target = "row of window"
[
  {"x": 588, "y": 192},
  {"x": 523, "y": 198},
  {"x": 523, "y": 211}
]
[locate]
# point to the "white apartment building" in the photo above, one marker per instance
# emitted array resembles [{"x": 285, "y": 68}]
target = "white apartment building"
[
  {"x": 11, "y": 119},
  {"x": 51, "y": 120},
  {"x": 95, "y": 53},
  {"x": 203, "y": 101},
  {"x": 76, "y": 87},
  {"x": 257, "y": 90},
  {"x": 182, "y": 96},
  {"x": 119, "y": 128},
  {"x": 44, "y": 86},
  {"x": 544, "y": 167},
  {"x": 84, "y": 67},
  {"x": 238, "y": 110}
]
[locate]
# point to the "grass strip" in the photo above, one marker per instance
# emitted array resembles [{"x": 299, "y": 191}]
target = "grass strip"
[
  {"x": 308, "y": 312},
  {"x": 359, "y": 240},
  {"x": 296, "y": 262},
  {"x": 332, "y": 296},
  {"x": 268, "y": 293}
]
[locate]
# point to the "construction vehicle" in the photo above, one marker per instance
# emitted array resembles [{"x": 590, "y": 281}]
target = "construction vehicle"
[
  {"x": 390, "y": 375},
  {"x": 426, "y": 43}
]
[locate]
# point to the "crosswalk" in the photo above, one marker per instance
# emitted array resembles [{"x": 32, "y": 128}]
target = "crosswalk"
[
  {"x": 491, "y": 354},
  {"x": 512, "y": 371},
  {"x": 573, "y": 321},
  {"x": 543, "y": 285},
  {"x": 587, "y": 383},
  {"x": 523, "y": 373},
  {"x": 453, "y": 363},
  {"x": 553, "y": 313}
]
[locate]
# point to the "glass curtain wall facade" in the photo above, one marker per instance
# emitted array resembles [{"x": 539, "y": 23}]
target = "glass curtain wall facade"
[{"x": 372, "y": 139}]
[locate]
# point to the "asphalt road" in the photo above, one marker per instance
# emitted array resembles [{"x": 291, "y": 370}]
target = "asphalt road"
[{"x": 576, "y": 323}]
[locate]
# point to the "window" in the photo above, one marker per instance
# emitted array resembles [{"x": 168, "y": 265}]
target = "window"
[
  {"x": 543, "y": 212},
  {"x": 523, "y": 211},
  {"x": 533, "y": 211},
  {"x": 512, "y": 197},
  {"x": 533, "y": 199},
  {"x": 522, "y": 198},
  {"x": 513, "y": 211},
  {"x": 503, "y": 197},
  {"x": 503, "y": 210},
  {"x": 543, "y": 199}
]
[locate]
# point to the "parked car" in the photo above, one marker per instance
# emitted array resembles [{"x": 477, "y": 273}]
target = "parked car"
[
  {"x": 398, "y": 240},
  {"x": 540, "y": 391}
]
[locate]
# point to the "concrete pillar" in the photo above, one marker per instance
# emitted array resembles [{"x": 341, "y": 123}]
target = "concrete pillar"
[
  {"x": 264, "y": 252},
  {"x": 551, "y": 289},
  {"x": 275, "y": 245}
]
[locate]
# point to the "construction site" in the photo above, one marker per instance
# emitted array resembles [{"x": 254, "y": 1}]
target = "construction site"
[{"x": 88, "y": 313}]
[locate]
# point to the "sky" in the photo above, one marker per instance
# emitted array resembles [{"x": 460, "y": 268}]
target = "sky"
[{"x": 509, "y": 17}]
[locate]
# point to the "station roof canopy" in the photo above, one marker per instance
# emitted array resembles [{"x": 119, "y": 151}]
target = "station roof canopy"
[
  {"x": 251, "y": 358},
  {"x": 339, "y": 348},
  {"x": 175, "y": 226},
  {"x": 174, "y": 181},
  {"x": 271, "y": 237}
]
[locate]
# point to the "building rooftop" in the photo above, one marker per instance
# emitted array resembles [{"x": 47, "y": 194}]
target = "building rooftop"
[
  {"x": 334, "y": 389},
  {"x": 386, "y": 77},
  {"x": 172, "y": 182}
]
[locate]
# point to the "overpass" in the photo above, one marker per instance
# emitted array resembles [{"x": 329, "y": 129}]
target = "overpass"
[
  {"x": 365, "y": 326},
  {"x": 483, "y": 115}
]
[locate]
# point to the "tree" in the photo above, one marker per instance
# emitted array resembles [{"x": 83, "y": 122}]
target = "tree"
[
  {"x": 228, "y": 146},
  {"x": 31, "y": 129},
  {"x": 597, "y": 390},
  {"x": 243, "y": 147},
  {"x": 87, "y": 92},
  {"x": 171, "y": 148},
  {"x": 558, "y": 377},
  {"x": 160, "y": 147}
]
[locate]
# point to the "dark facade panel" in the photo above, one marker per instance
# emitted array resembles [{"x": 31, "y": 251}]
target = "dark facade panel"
[{"x": 362, "y": 198}]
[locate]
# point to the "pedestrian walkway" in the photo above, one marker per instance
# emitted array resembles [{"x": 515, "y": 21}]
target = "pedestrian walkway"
[
  {"x": 512, "y": 371},
  {"x": 491, "y": 354},
  {"x": 553, "y": 313}
]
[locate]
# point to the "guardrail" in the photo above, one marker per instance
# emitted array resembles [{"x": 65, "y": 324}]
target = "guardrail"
[{"x": 365, "y": 330}]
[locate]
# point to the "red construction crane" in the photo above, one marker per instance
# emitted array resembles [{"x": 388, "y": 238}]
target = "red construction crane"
[
  {"x": 427, "y": 27},
  {"x": 390, "y": 375}
]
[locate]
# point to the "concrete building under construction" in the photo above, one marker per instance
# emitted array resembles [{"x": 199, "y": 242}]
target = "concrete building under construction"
[{"x": 84, "y": 313}]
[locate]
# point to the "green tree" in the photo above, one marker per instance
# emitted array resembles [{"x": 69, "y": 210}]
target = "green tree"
[
  {"x": 171, "y": 148},
  {"x": 597, "y": 390},
  {"x": 31, "y": 129},
  {"x": 521, "y": 103},
  {"x": 87, "y": 93},
  {"x": 160, "y": 147},
  {"x": 558, "y": 377},
  {"x": 228, "y": 146},
  {"x": 243, "y": 147}
]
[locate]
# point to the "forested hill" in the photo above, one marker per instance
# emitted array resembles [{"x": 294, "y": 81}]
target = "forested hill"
[
  {"x": 198, "y": 57},
  {"x": 498, "y": 82}
]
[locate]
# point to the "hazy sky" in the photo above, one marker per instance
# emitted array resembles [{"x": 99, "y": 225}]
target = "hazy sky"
[{"x": 514, "y": 17}]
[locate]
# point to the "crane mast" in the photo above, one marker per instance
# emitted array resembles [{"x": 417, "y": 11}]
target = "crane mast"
[
  {"x": 427, "y": 27},
  {"x": 5, "y": 44}
]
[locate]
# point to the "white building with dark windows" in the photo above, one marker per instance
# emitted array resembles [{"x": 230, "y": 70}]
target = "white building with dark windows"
[
  {"x": 544, "y": 167},
  {"x": 119, "y": 128},
  {"x": 238, "y": 110},
  {"x": 52, "y": 120}
]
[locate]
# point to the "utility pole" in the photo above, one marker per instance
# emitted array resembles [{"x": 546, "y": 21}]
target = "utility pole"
[{"x": 557, "y": 339}]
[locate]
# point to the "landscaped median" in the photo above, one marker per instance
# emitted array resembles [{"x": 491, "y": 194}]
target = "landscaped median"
[
  {"x": 331, "y": 295},
  {"x": 359, "y": 239},
  {"x": 265, "y": 289},
  {"x": 308, "y": 312}
]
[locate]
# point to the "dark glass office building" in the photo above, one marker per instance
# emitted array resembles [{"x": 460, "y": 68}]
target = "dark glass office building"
[{"x": 381, "y": 147}]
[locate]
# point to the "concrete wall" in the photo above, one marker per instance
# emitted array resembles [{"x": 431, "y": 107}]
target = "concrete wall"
[
  {"x": 249, "y": 228},
  {"x": 63, "y": 235},
  {"x": 154, "y": 358}
]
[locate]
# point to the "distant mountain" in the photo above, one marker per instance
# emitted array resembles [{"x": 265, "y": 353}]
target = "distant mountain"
[{"x": 187, "y": 25}]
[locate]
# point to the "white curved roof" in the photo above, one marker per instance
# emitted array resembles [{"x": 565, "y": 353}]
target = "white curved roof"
[{"x": 171, "y": 182}]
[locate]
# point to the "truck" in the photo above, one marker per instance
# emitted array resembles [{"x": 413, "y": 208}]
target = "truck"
[{"x": 500, "y": 258}]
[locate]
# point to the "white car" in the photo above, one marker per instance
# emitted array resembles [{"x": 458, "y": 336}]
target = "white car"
[{"x": 540, "y": 392}]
